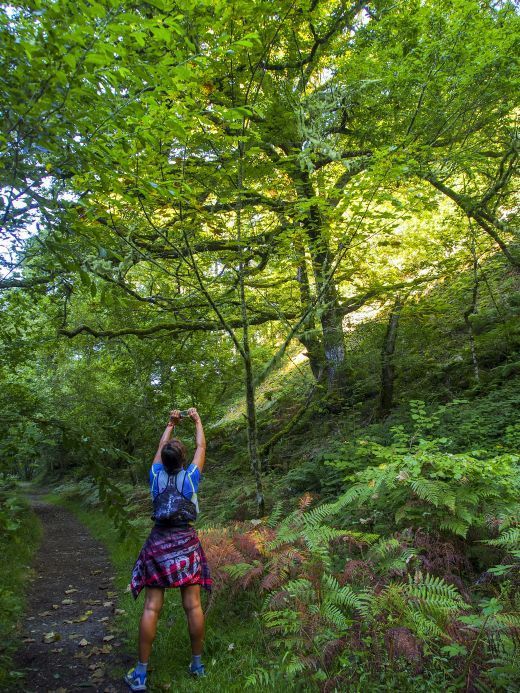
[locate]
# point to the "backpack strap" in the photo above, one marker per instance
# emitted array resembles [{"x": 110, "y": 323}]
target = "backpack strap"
[{"x": 180, "y": 490}]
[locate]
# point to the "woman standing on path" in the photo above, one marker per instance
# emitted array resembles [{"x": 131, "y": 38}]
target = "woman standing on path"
[{"x": 172, "y": 555}]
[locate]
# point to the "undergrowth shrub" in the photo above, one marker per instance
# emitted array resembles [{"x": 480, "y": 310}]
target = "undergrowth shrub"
[
  {"x": 19, "y": 536},
  {"x": 346, "y": 607},
  {"x": 416, "y": 481}
]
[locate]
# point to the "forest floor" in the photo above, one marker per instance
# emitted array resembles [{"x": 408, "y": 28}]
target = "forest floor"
[{"x": 69, "y": 639}]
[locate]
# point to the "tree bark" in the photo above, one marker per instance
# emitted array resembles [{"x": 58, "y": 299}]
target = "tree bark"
[
  {"x": 471, "y": 311},
  {"x": 331, "y": 316},
  {"x": 387, "y": 357},
  {"x": 308, "y": 338},
  {"x": 252, "y": 430}
]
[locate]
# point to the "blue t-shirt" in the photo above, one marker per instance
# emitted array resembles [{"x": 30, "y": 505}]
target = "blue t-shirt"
[{"x": 159, "y": 480}]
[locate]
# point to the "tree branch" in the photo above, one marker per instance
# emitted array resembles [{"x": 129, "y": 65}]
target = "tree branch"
[
  {"x": 474, "y": 210},
  {"x": 25, "y": 283},
  {"x": 340, "y": 22}
]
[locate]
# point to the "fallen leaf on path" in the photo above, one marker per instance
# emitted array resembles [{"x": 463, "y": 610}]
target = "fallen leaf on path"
[
  {"x": 67, "y": 620},
  {"x": 44, "y": 613},
  {"x": 108, "y": 638},
  {"x": 98, "y": 674},
  {"x": 108, "y": 604},
  {"x": 95, "y": 572},
  {"x": 102, "y": 620},
  {"x": 67, "y": 601},
  {"x": 74, "y": 635},
  {"x": 55, "y": 606},
  {"x": 71, "y": 591},
  {"x": 106, "y": 649},
  {"x": 28, "y": 640},
  {"x": 84, "y": 617},
  {"x": 119, "y": 612},
  {"x": 57, "y": 650},
  {"x": 52, "y": 636},
  {"x": 111, "y": 594},
  {"x": 83, "y": 642},
  {"x": 91, "y": 602}
]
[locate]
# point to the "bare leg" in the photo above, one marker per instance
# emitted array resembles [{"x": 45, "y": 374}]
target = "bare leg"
[
  {"x": 193, "y": 609},
  {"x": 148, "y": 627}
]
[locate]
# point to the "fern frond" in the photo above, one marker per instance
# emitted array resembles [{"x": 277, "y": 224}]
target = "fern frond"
[
  {"x": 335, "y": 616},
  {"x": 276, "y": 514},
  {"x": 508, "y": 620},
  {"x": 285, "y": 621},
  {"x": 458, "y": 527},
  {"x": 237, "y": 570},
  {"x": 434, "y": 591},
  {"x": 431, "y": 491},
  {"x": 425, "y": 627},
  {"x": 301, "y": 588},
  {"x": 508, "y": 539},
  {"x": 341, "y": 596}
]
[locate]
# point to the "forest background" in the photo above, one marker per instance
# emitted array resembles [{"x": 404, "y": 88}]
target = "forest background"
[{"x": 301, "y": 218}]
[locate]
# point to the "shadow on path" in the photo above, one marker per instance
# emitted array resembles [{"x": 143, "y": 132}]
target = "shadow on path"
[{"x": 69, "y": 639}]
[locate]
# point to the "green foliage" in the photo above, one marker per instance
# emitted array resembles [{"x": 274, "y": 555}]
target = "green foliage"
[
  {"x": 185, "y": 182},
  {"x": 19, "y": 536},
  {"x": 422, "y": 484}
]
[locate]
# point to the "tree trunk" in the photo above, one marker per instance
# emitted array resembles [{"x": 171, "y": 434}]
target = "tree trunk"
[
  {"x": 387, "y": 357},
  {"x": 252, "y": 431},
  {"x": 471, "y": 311},
  {"x": 309, "y": 338},
  {"x": 331, "y": 317}
]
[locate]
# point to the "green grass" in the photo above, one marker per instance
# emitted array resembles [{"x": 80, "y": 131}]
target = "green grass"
[
  {"x": 235, "y": 643},
  {"x": 17, "y": 547}
]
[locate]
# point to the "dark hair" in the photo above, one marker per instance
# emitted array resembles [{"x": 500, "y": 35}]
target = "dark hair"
[{"x": 173, "y": 455}]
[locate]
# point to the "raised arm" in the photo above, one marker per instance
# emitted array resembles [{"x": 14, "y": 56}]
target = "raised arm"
[
  {"x": 168, "y": 431},
  {"x": 200, "y": 440}
]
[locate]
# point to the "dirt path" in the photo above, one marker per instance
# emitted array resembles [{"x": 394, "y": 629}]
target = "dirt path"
[{"x": 69, "y": 638}]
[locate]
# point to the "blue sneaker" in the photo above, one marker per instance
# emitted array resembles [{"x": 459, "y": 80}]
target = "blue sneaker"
[
  {"x": 198, "y": 672},
  {"x": 135, "y": 681}
]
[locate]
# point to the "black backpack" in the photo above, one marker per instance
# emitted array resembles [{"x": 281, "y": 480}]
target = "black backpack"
[{"x": 170, "y": 507}]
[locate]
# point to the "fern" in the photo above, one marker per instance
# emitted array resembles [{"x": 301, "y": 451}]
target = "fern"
[
  {"x": 237, "y": 570},
  {"x": 434, "y": 590},
  {"x": 431, "y": 491},
  {"x": 455, "y": 526},
  {"x": 276, "y": 514},
  {"x": 508, "y": 539},
  {"x": 301, "y": 588},
  {"x": 425, "y": 627},
  {"x": 341, "y": 596},
  {"x": 335, "y": 616},
  {"x": 285, "y": 621},
  {"x": 262, "y": 679}
]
